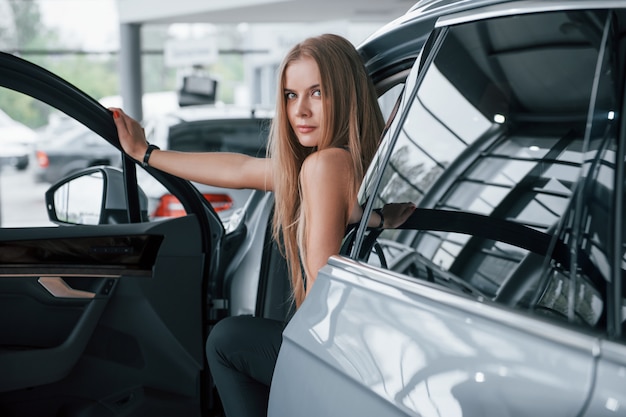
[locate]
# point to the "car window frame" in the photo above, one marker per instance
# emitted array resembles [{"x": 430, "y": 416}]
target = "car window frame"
[{"x": 392, "y": 132}]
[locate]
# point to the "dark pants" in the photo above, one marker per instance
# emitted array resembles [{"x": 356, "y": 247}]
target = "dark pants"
[{"x": 242, "y": 352}]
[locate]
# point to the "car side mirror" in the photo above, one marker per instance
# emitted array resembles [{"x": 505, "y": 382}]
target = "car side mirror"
[{"x": 94, "y": 195}]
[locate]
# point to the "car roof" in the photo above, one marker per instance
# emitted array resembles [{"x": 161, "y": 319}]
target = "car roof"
[
  {"x": 432, "y": 9},
  {"x": 440, "y": 6},
  {"x": 396, "y": 45}
]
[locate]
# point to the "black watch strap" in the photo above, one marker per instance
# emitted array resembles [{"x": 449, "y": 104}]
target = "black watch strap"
[{"x": 146, "y": 156}]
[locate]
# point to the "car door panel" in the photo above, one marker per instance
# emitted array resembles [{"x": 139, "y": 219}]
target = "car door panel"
[
  {"x": 609, "y": 396},
  {"x": 422, "y": 350},
  {"x": 41, "y": 331},
  {"x": 104, "y": 312}
]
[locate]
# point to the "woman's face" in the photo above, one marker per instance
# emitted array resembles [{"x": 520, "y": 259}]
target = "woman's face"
[{"x": 303, "y": 96}]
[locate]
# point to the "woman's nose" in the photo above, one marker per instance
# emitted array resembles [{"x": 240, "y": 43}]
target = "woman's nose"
[{"x": 303, "y": 108}]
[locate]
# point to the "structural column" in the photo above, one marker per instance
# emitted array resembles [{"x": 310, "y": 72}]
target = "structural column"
[{"x": 130, "y": 69}]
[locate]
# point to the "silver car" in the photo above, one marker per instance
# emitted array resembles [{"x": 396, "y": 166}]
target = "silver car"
[{"x": 504, "y": 294}]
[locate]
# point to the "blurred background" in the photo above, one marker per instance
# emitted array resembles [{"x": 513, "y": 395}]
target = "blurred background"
[
  {"x": 153, "y": 58},
  {"x": 238, "y": 44}
]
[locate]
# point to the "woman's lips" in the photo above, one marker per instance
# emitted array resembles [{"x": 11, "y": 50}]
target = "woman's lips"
[{"x": 305, "y": 128}]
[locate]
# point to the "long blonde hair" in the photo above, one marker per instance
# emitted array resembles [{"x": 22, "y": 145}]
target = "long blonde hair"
[{"x": 351, "y": 119}]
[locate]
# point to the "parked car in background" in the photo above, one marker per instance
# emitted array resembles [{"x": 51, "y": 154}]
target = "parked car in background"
[
  {"x": 206, "y": 128},
  {"x": 505, "y": 293},
  {"x": 70, "y": 150},
  {"x": 16, "y": 140},
  {"x": 15, "y": 155}
]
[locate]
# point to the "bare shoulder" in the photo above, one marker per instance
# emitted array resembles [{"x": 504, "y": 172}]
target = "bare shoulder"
[
  {"x": 326, "y": 179},
  {"x": 331, "y": 163}
]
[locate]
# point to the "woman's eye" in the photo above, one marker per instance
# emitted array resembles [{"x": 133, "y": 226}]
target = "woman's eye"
[
  {"x": 317, "y": 93},
  {"x": 289, "y": 95}
]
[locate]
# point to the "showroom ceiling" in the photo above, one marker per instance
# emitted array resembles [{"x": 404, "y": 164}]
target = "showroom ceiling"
[{"x": 260, "y": 11}]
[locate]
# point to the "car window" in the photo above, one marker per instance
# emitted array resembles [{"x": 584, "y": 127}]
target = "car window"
[
  {"x": 388, "y": 99},
  {"x": 45, "y": 147},
  {"x": 578, "y": 290},
  {"x": 21, "y": 194},
  {"x": 497, "y": 128}
]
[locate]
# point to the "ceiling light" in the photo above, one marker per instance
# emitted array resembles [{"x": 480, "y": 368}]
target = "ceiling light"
[{"x": 499, "y": 118}]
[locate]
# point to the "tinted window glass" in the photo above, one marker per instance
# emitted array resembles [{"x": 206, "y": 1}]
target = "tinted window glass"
[
  {"x": 498, "y": 127},
  {"x": 247, "y": 136},
  {"x": 577, "y": 291}
]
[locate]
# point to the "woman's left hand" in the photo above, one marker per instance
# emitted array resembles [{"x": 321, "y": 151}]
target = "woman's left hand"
[{"x": 395, "y": 214}]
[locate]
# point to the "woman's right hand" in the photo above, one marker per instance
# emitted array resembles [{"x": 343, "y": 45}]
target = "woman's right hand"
[
  {"x": 395, "y": 214},
  {"x": 131, "y": 134}
]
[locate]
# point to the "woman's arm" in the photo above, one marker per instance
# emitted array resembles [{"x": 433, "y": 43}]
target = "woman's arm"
[
  {"x": 326, "y": 178},
  {"x": 220, "y": 169}
]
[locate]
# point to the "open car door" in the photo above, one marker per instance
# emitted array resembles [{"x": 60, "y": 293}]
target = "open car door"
[{"x": 103, "y": 315}]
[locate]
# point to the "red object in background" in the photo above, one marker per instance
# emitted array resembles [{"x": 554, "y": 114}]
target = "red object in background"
[
  {"x": 170, "y": 206},
  {"x": 42, "y": 159}
]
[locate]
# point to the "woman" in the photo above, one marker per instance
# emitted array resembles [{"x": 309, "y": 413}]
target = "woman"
[{"x": 323, "y": 137}]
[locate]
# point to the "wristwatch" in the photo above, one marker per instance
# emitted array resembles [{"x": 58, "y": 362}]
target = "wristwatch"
[{"x": 146, "y": 156}]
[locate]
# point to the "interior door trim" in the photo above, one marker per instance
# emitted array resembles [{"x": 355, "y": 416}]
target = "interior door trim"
[{"x": 59, "y": 288}]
